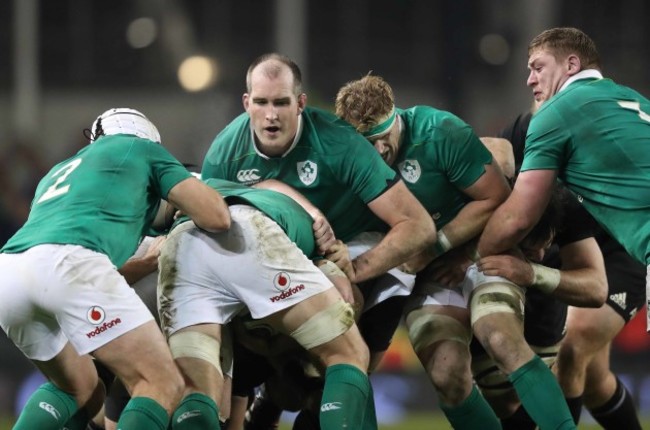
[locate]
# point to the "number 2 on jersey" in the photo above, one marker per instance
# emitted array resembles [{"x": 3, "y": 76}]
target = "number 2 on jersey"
[{"x": 55, "y": 189}]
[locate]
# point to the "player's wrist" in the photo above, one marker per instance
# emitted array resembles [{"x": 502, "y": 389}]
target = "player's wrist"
[
  {"x": 442, "y": 244},
  {"x": 545, "y": 279}
]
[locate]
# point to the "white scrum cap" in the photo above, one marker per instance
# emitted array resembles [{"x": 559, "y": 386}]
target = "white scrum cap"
[{"x": 124, "y": 121}]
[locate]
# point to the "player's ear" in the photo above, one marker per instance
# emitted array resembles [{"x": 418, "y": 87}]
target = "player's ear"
[
  {"x": 302, "y": 102},
  {"x": 245, "y": 99},
  {"x": 574, "y": 65}
]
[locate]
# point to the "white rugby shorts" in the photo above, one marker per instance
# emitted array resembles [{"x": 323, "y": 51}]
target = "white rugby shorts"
[
  {"x": 429, "y": 292},
  {"x": 52, "y": 294},
  {"x": 209, "y": 277},
  {"x": 391, "y": 284}
]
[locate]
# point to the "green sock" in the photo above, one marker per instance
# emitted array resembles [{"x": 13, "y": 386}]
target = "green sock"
[
  {"x": 370, "y": 415},
  {"x": 78, "y": 421},
  {"x": 48, "y": 408},
  {"x": 541, "y": 396},
  {"x": 473, "y": 413},
  {"x": 143, "y": 413},
  {"x": 345, "y": 398},
  {"x": 196, "y": 411}
]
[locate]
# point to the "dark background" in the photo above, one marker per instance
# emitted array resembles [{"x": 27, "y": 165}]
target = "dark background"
[{"x": 64, "y": 62}]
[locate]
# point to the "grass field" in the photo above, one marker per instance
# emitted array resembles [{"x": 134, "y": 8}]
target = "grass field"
[{"x": 414, "y": 422}]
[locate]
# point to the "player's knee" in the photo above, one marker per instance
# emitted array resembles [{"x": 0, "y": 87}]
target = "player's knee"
[
  {"x": 452, "y": 378},
  {"x": 325, "y": 325},
  {"x": 426, "y": 329},
  {"x": 497, "y": 298},
  {"x": 571, "y": 354}
]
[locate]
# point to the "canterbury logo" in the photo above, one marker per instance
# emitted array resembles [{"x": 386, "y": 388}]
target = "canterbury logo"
[
  {"x": 326, "y": 407},
  {"x": 50, "y": 410},
  {"x": 188, "y": 414},
  {"x": 248, "y": 175}
]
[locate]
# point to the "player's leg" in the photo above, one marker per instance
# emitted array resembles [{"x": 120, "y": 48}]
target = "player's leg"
[
  {"x": 141, "y": 359},
  {"x": 439, "y": 330},
  {"x": 589, "y": 331},
  {"x": 73, "y": 382},
  {"x": 196, "y": 350},
  {"x": 607, "y": 398},
  {"x": 324, "y": 325},
  {"x": 28, "y": 314},
  {"x": 192, "y": 315},
  {"x": 583, "y": 365},
  {"x": 497, "y": 308}
]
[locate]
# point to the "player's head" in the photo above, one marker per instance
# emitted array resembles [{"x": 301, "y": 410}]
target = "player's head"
[
  {"x": 368, "y": 105},
  {"x": 557, "y": 54},
  {"x": 274, "y": 101},
  {"x": 123, "y": 121}
]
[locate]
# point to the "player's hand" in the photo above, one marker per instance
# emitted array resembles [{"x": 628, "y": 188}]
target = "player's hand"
[
  {"x": 323, "y": 233},
  {"x": 344, "y": 287},
  {"x": 154, "y": 247},
  {"x": 514, "y": 268},
  {"x": 449, "y": 269},
  {"x": 417, "y": 263},
  {"x": 338, "y": 254}
]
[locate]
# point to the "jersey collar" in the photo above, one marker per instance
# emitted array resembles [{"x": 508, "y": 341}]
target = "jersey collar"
[
  {"x": 293, "y": 144},
  {"x": 584, "y": 74}
]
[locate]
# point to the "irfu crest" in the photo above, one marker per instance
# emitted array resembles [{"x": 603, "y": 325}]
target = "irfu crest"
[
  {"x": 307, "y": 171},
  {"x": 410, "y": 170}
]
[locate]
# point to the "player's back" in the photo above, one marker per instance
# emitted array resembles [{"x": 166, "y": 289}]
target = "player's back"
[{"x": 103, "y": 198}]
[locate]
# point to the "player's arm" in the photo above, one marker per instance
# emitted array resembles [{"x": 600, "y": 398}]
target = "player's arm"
[
  {"x": 487, "y": 193},
  {"x": 511, "y": 221},
  {"x": 202, "y": 203},
  {"x": 323, "y": 232},
  {"x": 503, "y": 153},
  {"x": 581, "y": 281},
  {"x": 137, "y": 268},
  {"x": 411, "y": 231}
]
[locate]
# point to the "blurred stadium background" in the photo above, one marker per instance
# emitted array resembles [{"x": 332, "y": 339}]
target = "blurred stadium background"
[{"x": 183, "y": 62}]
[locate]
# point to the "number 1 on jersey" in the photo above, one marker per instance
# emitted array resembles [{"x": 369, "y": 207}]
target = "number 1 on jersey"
[{"x": 635, "y": 106}]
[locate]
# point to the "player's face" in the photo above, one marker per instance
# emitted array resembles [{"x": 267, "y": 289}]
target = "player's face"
[
  {"x": 547, "y": 74},
  {"x": 274, "y": 110},
  {"x": 387, "y": 144}
]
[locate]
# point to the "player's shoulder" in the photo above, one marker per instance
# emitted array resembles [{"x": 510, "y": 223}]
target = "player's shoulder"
[{"x": 327, "y": 133}]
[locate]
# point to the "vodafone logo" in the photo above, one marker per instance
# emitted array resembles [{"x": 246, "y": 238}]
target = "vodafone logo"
[
  {"x": 95, "y": 315},
  {"x": 281, "y": 281}
]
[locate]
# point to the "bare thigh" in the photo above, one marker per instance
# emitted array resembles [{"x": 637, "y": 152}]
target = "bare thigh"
[{"x": 142, "y": 360}]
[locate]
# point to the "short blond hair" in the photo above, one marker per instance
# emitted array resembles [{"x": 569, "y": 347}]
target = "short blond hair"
[
  {"x": 564, "y": 41},
  {"x": 365, "y": 102}
]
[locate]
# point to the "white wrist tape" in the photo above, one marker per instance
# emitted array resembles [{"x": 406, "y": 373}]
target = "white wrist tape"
[
  {"x": 546, "y": 279},
  {"x": 443, "y": 244}
]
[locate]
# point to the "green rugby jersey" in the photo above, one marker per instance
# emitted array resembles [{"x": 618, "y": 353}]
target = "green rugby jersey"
[
  {"x": 439, "y": 156},
  {"x": 331, "y": 165},
  {"x": 104, "y": 198},
  {"x": 289, "y": 215},
  {"x": 596, "y": 134}
]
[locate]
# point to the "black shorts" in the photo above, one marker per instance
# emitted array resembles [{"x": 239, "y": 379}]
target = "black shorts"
[
  {"x": 116, "y": 399},
  {"x": 378, "y": 324},
  {"x": 626, "y": 279},
  {"x": 544, "y": 319},
  {"x": 249, "y": 372}
]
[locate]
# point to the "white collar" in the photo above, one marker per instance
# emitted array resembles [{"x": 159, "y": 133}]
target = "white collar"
[
  {"x": 293, "y": 144},
  {"x": 583, "y": 74}
]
